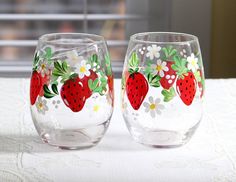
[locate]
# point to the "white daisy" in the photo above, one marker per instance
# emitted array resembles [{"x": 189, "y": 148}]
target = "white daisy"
[
  {"x": 159, "y": 68},
  {"x": 41, "y": 105},
  {"x": 44, "y": 68},
  {"x": 73, "y": 58},
  {"x": 153, "y": 51},
  {"x": 83, "y": 69},
  {"x": 153, "y": 107},
  {"x": 192, "y": 63},
  {"x": 97, "y": 103}
]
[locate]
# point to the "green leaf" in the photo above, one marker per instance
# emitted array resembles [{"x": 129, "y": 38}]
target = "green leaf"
[
  {"x": 179, "y": 66},
  {"x": 169, "y": 52},
  {"x": 48, "y": 54},
  {"x": 154, "y": 81},
  {"x": 90, "y": 84},
  {"x": 134, "y": 63},
  {"x": 54, "y": 89},
  {"x": 47, "y": 92},
  {"x": 197, "y": 75},
  {"x": 61, "y": 69},
  {"x": 108, "y": 65},
  {"x": 168, "y": 94},
  {"x": 64, "y": 66}
]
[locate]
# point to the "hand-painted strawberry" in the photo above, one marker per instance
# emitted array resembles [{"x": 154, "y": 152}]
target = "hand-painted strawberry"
[
  {"x": 110, "y": 81},
  {"x": 44, "y": 81},
  {"x": 186, "y": 82},
  {"x": 169, "y": 77},
  {"x": 35, "y": 86},
  {"x": 84, "y": 81},
  {"x": 186, "y": 88},
  {"x": 73, "y": 94},
  {"x": 136, "y": 84},
  {"x": 136, "y": 89}
]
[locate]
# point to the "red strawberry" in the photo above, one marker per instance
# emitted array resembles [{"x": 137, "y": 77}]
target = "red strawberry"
[
  {"x": 73, "y": 94},
  {"x": 44, "y": 81},
  {"x": 110, "y": 81},
  {"x": 136, "y": 89},
  {"x": 35, "y": 86},
  {"x": 186, "y": 87},
  {"x": 169, "y": 77},
  {"x": 84, "y": 81}
]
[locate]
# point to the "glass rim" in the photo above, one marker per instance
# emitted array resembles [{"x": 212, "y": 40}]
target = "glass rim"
[
  {"x": 96, "y": 39},
  {"x": 192, "y": 38}
]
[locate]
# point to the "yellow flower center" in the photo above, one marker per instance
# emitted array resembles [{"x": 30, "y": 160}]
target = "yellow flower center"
[
  {"x": 159, "y": 68},
  {"x": 96, "y": 108},
  {"x": 40, "y": 105},
  {"x": 193, "y": 62},
  {"x": 152, "y": 106},
  {"x": 43, "y": 66},
  {"x": 82, "y": 69}
]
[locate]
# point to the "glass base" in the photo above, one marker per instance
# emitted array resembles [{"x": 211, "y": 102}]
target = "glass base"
[
  {"x": 161, "y": 138},
  {"x": 76, "y": 138}
]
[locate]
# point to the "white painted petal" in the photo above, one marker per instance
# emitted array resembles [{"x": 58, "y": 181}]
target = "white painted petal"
[
  {"x": 197, "y": 66},
  {"x": 161, "y": 73},
  {"x": 83, "y": 63},
  {"x": 165, "y": 68},
  {"x": 145, "y": 104},
  {"x": 149, "y": 48},
  {"x": 46, "y": 108},
  {"x": 192, "y": 55},
  {"x": 147, "y": 109},
  {"x": 81, "y": 75},
  {"x": 172, "y": 76},
  {"x": 151, "y": 100},
  {"x": 154, "y": 46},
  {"x": 157, "y": 55},
  {"x": 158, "y": 111},
  {"x": 87, "y": 73},
  {"x": 157, "y": 101},
  {"x": 151, "y": 56},
  {"x": 189, "y": 59},
  {"x": 148, "y": 54},
  {"x": 159, "y": 48},
  {"x": 152, "y": 112},
  {"x": 88, "y": 66},
  {"x": 163, "y": 64},
  {"x": 159, "y": 62},
  {"x": 189, "y": 66},
  {"x": 167, "y": 77}
]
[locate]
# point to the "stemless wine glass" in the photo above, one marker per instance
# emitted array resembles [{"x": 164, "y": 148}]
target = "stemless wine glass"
[
  {"x": 71, "y": 89},
  {"x": 162, "y": 88}
]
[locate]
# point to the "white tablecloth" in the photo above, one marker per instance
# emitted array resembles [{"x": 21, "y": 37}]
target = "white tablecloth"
[{"x": 209, "y": 156}]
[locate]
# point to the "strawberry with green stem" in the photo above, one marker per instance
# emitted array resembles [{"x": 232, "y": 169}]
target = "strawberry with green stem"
[
  {"x": 169, "y": 76},
  {"x": 72, "y": 91},
  {"x": 37, "y": 80},
  {"x": 136, "y": 84},
  {"x": 186, "y": 82}
]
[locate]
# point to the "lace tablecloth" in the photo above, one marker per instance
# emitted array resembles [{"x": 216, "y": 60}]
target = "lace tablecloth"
[{"x": 209, "y": 156}]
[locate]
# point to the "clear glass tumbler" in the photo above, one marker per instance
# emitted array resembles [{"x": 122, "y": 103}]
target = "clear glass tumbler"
[
  {"x": 162, "y": 88},
  {"x": 71, "y": 89}
]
